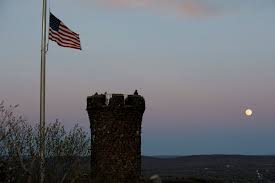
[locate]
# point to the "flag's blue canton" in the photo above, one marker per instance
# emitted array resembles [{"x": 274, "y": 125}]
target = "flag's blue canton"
[{"x": 54, "y": 22}]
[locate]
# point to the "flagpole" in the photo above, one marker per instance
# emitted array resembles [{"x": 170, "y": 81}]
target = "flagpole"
[{"x": 42, "y": 93}]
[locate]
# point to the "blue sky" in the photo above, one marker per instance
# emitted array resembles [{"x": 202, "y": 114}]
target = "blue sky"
[{"x": 198, "y": 63}]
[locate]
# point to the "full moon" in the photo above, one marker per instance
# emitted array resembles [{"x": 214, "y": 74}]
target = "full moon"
[{"x": 248, "y": 112}]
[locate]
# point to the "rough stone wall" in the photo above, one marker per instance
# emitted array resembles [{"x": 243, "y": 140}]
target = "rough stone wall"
[{"x": 116, "y": 137}]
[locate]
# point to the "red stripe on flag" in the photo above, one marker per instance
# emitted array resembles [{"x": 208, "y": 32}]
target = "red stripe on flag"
[
  {"x": 66, "y": 29},
  {"x": 68, "y": 36},
  {"x": 61, "y": 42},
  {"x": 65, "y": 45},
  {"x": 65, "y": 38}
]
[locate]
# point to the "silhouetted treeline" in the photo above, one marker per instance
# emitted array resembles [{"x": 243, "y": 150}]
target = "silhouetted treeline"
[{"x": 19, "y": 149}]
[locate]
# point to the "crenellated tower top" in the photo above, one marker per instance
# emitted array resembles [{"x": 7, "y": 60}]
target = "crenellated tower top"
[{"x": 101, "y": 101}]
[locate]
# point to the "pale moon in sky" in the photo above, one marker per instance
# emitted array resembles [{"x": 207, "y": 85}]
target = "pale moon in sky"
[{"x": 248, "y": 112}]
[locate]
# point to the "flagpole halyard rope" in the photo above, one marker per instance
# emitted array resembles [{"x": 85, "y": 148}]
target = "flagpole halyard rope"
[{"x": 49, "y": 11}]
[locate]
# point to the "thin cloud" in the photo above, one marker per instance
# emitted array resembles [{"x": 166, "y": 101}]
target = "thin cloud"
[
  {"x": 177, "y": 7},
  {"x": 186, "y": 8}
]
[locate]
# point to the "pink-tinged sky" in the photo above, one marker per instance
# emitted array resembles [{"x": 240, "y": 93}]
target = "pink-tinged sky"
[{"x": 198, "y": 63}]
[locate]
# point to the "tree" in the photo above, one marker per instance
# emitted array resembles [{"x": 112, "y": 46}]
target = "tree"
[
  {"x": 17, "y": 142},
  {"x": 8, "y": 121},
  {"x": 64, "y": 151},
  {"x": 19, "y": 146}
]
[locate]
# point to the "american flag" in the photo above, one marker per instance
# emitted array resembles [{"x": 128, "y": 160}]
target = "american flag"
[{"x": 62, "y": 35}]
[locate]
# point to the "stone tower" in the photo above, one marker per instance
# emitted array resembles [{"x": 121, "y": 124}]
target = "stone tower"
[{"x": 116, "y": 137}]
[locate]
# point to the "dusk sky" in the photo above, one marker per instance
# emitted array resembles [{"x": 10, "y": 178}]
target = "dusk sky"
[{"x": 198, "y": 63}]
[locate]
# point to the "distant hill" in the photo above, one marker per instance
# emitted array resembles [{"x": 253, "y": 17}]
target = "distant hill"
[{"x": 223, "y": 167}]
